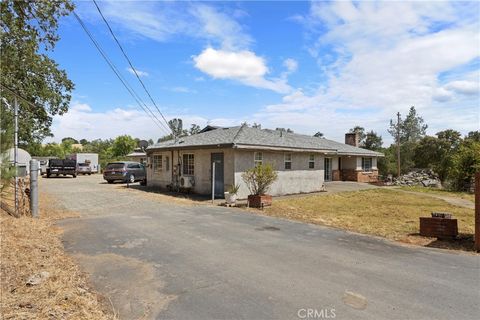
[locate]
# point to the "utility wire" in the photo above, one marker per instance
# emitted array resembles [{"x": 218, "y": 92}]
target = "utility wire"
[
  {"x": 18, "y": 95},
  {"x": 131, "y": 65},
  {"x": 119, "y": 76}
]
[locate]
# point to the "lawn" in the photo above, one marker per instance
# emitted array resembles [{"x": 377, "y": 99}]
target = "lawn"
[
  {"x": 461, "y": 195},
  {"x": 387, "y": 213}
]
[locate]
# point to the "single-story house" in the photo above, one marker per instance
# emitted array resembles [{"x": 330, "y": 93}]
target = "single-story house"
[
  {"x": 303, "y": 162},
  {"x": 137, "y": 155}
]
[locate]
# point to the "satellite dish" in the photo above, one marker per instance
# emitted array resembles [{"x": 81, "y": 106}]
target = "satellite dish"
[{"x": 143, "y": 144}]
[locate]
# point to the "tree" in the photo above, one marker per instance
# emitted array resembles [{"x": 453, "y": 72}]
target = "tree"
[
  {"x": 123, "y": 145},
  {"x": 288, "y": 130},
  {"x": 29, "y": 30},
  {"x": 473, "y": 135},
  {"x": 372, "y": 141},
  {"x": 412, "y": 129},
  {"x": 83, "y": 142},
  {"x": 360, "y": 131},
  {"x": 194, "y": 129},
  {"x": 150, "y": 142},
  {"x": 70, "y": 139},
  {"x": 465, "y": 162},
  {"x": 318, "y": 134}
]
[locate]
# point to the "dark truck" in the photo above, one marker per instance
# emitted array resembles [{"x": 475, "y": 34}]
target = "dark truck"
[{"x": 62, "y": 167}]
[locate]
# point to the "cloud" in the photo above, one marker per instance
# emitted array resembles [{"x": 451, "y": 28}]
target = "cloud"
[
  {"x": 140, "y": 73},
  {"x": 242, "y": 66},
  {"x": 290, "y": 64},
  {"x": 180, "y": 89},
  {"x": 377, "y": 62}
]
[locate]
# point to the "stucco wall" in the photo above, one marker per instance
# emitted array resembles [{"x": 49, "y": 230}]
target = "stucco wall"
[
  {"x": 202, "y": 169},
  {"x": 296, "y": 180}
]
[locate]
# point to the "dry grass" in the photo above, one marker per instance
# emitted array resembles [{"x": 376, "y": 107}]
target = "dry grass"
[
  {"x": 461, "y": 195},
  {"x": 33, "y": 246},
  {"x": 387, "y": 213}
]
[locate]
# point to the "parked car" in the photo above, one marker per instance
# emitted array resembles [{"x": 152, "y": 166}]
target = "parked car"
[
  {"x": 84, "y": 168},
  {"x": 126, "y": 171},
  {"x": 62, "y": 167}
]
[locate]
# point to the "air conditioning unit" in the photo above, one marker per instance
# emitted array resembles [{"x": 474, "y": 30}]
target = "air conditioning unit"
[{"x": 187, "y": 182}]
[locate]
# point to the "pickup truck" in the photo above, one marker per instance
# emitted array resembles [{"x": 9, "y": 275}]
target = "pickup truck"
[{"x": 62, "y": 167}]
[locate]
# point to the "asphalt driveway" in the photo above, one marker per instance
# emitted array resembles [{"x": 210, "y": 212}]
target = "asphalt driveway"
[{"x": 164, "y": 260}]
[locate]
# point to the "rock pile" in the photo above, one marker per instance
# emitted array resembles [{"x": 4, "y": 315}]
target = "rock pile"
[{"x": 424, "y": 178}]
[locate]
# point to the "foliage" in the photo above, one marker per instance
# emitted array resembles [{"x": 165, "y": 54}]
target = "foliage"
[
  {"x": 288, "y": 130},
  {"x": 437, "y": 153},
  {"x": 259, "y": 178},
  {"x": 176, "y": 125},
  {"x": 372, "y": 141},
  {"x": 233, "y": 189},
  {"x": 412, "y": 129},
  {"x": 360, "y": 131},
  {"x": 6, "y": 142},
  {"x": 29, "y": 30},
  {"x": 194, "y": 129},
  {"x": 123, "y": 145},
  {"x": 465, "y": 162}
]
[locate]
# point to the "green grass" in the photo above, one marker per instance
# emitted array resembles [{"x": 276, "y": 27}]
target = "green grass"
[{"x": 461, "y": 195}]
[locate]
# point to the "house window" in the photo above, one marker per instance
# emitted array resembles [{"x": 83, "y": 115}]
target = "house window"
[
  {"x": 367, "y": 164},
  {"x": 258, "y": 158},
  {"x": 311, "y": 161},
  {"x": 188, "y": 164},
  {"x": 167, "y": 163},
  {"x": 157, "y": 163},
  {"x": 288, "y": 161}
]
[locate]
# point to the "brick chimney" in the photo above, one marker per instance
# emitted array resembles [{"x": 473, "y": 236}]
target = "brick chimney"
[{"x": 351, "y": 139}]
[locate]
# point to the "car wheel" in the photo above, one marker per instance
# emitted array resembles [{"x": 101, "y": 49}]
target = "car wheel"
[
  {"x": 74, "y": 175},
  {"x": 110, "y": 181},
  {"x": 131, "y": 179},
  {"x": 48, "y": 176}
]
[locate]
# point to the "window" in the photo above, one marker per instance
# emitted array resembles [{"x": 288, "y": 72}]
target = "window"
[
  {"x": 288, "y": 161},
  {"x": 311, "y": 161},
  {"x": 157, "y": 163},
  {"x": 188, "y": 164},
  {"x": 367, "y": 164},
  {"x": 167, "y": 163},
  {"x": 258, "y": 158}
]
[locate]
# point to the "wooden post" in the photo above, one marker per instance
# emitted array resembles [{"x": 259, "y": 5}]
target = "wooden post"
[{"x": 477, "y": 211}]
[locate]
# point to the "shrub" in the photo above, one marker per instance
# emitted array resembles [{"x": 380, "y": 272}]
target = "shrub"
[{"x": 259, "y": 178}]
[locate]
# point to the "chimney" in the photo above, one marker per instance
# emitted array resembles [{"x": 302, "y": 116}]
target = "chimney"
[{"x": 351, "y": 139}]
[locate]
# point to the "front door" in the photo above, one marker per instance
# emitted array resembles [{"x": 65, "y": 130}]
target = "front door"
[
  {"x": 218, "y": 159},
  {"x": 328, "y": 169}
]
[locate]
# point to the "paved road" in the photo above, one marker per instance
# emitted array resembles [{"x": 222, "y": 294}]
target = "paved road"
[{"x": 169, "y": 261}]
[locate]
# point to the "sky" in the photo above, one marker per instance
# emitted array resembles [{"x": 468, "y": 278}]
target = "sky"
[{"x": 309, "y": 66}]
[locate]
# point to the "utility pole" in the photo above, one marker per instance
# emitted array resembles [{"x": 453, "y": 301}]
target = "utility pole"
[
  {"x": 15, "y": 153},
  {"x": 398, "y": 144}
]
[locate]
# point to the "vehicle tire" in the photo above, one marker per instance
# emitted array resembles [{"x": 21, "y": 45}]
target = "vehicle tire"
[
  {"x": 131, "y": 178},
  {"x": 48, "y": 175},
  {"x": 89, "y": 174},
  {"x": 74, "y": 176},
  {"x": 110, "y": 181},
  {"x": 143, "y": 182}
]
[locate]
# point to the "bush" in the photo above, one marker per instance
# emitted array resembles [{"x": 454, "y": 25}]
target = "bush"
[{"x": 259, "y": 178}]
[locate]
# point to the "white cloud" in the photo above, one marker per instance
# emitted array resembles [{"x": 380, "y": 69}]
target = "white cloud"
[
  {"x": 243, "y": 66},
  {"x": 291, "y": 65},
  {"x": 180, "y": 89},
  {"x": 140, "y": 73},
  {"x": 377, "y": 62}
]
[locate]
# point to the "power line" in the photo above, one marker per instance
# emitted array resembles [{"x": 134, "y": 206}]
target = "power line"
[
  {"x": 119, "y": 76},
  {"x": 131, "y": 65}
]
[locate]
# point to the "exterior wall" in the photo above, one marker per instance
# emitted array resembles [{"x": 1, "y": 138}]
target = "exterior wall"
[
  {"x": 352, "y": 170},
  {"x": 299, "y": 179},
  {"x": 202, "y": 168},
  {"x": 141, "y": 159}
]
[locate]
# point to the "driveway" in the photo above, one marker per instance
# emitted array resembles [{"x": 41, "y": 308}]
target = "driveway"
[{"x": 164, "y": 260}]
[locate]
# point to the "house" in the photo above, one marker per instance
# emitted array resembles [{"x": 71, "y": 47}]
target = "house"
[
  {"x": 303, "y": 162},
  {"x": 137, "y": 155}
]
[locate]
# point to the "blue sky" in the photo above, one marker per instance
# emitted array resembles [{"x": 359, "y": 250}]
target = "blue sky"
[{"x": 309, "y": 66}]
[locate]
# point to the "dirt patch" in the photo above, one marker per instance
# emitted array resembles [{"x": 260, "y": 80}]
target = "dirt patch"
[{"x": 129, "y": 283}]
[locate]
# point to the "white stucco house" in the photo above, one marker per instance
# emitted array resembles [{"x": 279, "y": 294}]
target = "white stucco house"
[{"x": 303, "y": 162}]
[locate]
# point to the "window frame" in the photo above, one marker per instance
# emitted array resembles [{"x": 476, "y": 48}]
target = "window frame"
[
  {"x": 311, "y": 162},
  {"x": 188, "y": 164},
  {"x": 287, "y": 163},
  {"x": 256, "y": 161},
  {"x": 157, "y": 164},
  {"x": 364, "y": 167}
]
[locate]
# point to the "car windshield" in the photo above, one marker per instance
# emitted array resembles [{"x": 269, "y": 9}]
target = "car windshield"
[
  {"x": 83, "y": 165},
  {"x": 115, "y": 166}
]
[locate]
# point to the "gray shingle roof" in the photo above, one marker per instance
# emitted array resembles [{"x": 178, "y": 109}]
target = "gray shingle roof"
[{"x": 244, "y": 136}]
